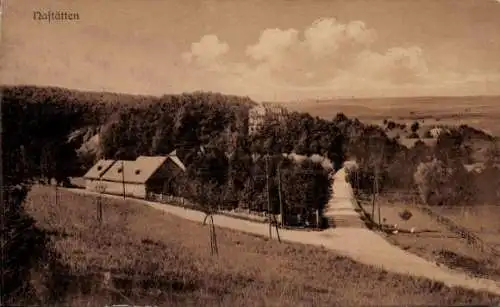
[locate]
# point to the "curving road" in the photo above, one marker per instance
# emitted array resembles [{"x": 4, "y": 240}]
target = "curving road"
[{"x": 359, "y": 244}]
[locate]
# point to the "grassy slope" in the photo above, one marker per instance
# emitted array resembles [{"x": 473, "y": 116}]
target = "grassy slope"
[
  {"x": 171, "y": 257},
  {"x": 483, "y": 220}
]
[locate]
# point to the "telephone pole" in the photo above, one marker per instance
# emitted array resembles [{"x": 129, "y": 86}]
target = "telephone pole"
[
  {"x": 57, "y": 193},
  {"x": 376, "y": 186},
  {"x": 280, "y": 198},
  {"x": 270, "y": 215},
  {"x": 123, "y": 179},
  {"x": 99, "y": 200},
  {"x": 268, "y": 196}
]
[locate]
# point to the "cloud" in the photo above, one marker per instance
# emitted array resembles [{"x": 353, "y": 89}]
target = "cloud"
[
  {"x": 397, "y": 65},
  {"x": 273, "y": 45},
  {"x": 207, "y": 52},
  {"x": 327, "y": 58}
]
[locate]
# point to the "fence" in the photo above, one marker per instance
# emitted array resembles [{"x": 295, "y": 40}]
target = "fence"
[
  {"x": 242, "y": 214},
  {"x": 471, "y": 238},
  {"x": 179, "y": 201}
]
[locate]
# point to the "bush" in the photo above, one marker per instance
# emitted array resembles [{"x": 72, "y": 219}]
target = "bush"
[
  {"x": 414, "y": 127},
  {"x": 442, "y": 184},
  {"x": 391, "y": 125},
  {"x": 306, "y": 188},
  {"x": 413, "y": 135},
  {"x": 487, "y": 183}
]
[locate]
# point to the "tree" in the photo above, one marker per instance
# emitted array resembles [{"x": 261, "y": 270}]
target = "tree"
[
  {"x": 339, "y": 118},
  {"x": 414, "y": 127},
  {"x": 492, "y": 154},
  {"x": 306, "y": 187},
  {"x": 451, "y": 148},
  {"x": 413, "y": 135},
  {"x": 441, "y": 184},
  {"x": 391, "y": 125}
]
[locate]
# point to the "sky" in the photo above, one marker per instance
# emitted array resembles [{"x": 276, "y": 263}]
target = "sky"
[{"x": 265, "y": 49}]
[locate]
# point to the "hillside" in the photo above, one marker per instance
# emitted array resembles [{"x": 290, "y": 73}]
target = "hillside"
[
  {"x": 479, "y": 111},
  {"x": 146, "y": 264},
  {"x": 58, "y": 133}
]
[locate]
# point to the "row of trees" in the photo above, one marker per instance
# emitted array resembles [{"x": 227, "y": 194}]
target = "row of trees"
[
  {"x": 302, "y": 134},
  {"x": 260, "y": 183}
]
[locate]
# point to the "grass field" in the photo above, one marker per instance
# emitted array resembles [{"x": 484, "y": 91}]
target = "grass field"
[
  {"x": 481, "y": 112},
  {"x": 142, "y": 256},
  {"x": 434, "y": 241},
  {"x": 483, "y": 220}
]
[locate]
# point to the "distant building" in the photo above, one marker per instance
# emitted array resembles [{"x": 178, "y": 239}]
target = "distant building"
[
  {"x": 436, "y": 131},
  {"x": 136, "y": 178},
  {"x": 326, "y": 163},
  {"x": 259, "y": 114},
  {"x": 475, "y": 167}
]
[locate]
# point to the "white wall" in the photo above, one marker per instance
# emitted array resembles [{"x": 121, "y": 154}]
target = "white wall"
[{"x": 131, "y": 189}]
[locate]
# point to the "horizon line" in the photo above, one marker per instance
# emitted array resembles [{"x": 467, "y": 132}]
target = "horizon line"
[{"x": 301, "y": 100}]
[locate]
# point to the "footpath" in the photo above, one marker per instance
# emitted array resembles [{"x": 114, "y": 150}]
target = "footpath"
[{"x": 353, "y": 240}]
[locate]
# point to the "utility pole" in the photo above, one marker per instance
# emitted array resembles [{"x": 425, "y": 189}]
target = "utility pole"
[
  {"x": 280, "y": 198},
  {"x": 377, "y": 191},
  {"x": 376, "y": 186},
  {"x": 374, "y": 189},
  {"x": 382, "y": 158},
  {"x": 57, "y": 193},
  {"x": 99, "y": 200},
  {"x": 270, "y": 215},
  {"x": 123, "y": 179},
  {"x": 268, "y": 196}
]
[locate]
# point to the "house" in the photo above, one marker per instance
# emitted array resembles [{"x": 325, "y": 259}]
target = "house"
[
  {"x": 436, "y": 131},
  {"x": 475, "y": 167},
  {"x": 138, "y": 178},
  {"x": 326, "y": 163}
]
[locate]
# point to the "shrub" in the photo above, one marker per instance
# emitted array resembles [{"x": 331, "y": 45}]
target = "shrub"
[
  {"x": 415, "y": 126},
  {"x": 413, "y": 135},
  {"x": 391, "y": 125},
  {"x": 306, "y": 187},
  {"x": 442, "y": 184},
  {"x": 487, "y": 183}
]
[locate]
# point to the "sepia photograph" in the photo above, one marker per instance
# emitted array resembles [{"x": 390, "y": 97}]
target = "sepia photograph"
[{"x": 250, "y": 153}]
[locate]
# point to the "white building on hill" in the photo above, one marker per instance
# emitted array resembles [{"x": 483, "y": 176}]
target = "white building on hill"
[{"x": 262, "y": 112}]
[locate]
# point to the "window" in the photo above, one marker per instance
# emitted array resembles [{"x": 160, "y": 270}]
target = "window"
[
  {"x": 137, "y": 171},
  {"x": 99, "y": 168},
  {"x": 120, "y": 170}
]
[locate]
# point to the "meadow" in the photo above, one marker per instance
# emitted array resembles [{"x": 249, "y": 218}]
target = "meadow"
[
  {"x": 483, "y": 220},
  {"x": 434, "y": 241},
  {"x": 482, "y": 112},
  {"x": 141, "y": 256}
]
